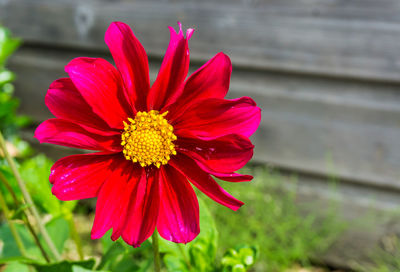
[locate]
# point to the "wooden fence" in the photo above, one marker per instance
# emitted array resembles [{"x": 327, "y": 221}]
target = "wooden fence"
[{"x": 325, "y": 73}]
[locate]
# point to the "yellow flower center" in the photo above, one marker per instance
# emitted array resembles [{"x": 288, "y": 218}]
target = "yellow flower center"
[{"x": 148, "y": 138}]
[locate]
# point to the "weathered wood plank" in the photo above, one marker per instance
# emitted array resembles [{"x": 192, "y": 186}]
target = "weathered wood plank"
[
  {"x": 313, "y": 125},
  {"x": 370, "y": 214},
  {"x": 351, "y": 39}
]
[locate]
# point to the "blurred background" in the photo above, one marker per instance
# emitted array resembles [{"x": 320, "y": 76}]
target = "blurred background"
[{"x": 326, "y": 74}]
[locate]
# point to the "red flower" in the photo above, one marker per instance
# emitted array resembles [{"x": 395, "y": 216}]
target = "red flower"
[{"x": 152, "y": 140}]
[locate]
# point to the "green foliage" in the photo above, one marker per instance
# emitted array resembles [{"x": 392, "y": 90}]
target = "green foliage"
[
  {"x": 64, "y": 266},
  {"x": 57, "y": 228},
  {"x": 6, "y": 171},
  {"x": 9, "y": 121},
  {"x": 199, "y": 254},
  {"x": 19, "y": 212},
  {"x": 118, "y": 256},
  {"x": 16, "y": 267},
  {"x": 9, "y": 248},
  {"x": 77, "y": 268},
  {"x": 385, "y": 258},
  {"x": 35, "y": 171},
  {"x": 239, "y": 259},
  {"x": 8, "y": 45},
  {"x": 22, "y": 264},
  {"x": 272, "y": 218}
]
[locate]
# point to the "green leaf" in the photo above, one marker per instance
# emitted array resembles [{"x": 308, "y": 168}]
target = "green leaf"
[
  {"x": 6, "y": 77},
  {"x": 175, "y": 263},
  {"x": 23, "y": 120},
  {"x": 111, "y": 254},
  {"x": 18, "y": 213},
  {"x": 119, "y": 256},
  {"x": 203, "y": 249},
  {"x": 68, "y": 206},
  {"x": 76, "y": 268},
  {"x": 106, "y": 241},
  {"x": 239, "y": 259},
  {"x": 19, "y": 259},
  {"x": 8, "y": 107},
  {"x": 35, "y": 172},
  {"x": 125, "y": 263},
  {"x": 248, "y": 255},
  {"x": 7, "y": 45},
  {"x": 238, "y": 268},
  {"x": 198, "y": 254},
  {"x": 64, "y": 266},
  {"x": 58, "y": 230},
  {"x": 24, "y": 149},
  {"x": 16, "y": 267},
  {"x": 145, "y": 265},
  {"x": 5, "y": 170},
  {"x": 10, "y": 249}
]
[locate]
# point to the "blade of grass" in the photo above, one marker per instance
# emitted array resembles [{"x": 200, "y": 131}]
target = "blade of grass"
[
  {"x": 24, "y": 217},
  {"x": 29, "y": 200},
  {"x": 75, "y": 235},
  {"x": 13, "y": 230}
]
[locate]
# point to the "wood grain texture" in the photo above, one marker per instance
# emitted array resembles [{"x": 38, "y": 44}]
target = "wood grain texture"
[
  {"x": 335, "y": 38},
  {"x": 370, "y": 216}
]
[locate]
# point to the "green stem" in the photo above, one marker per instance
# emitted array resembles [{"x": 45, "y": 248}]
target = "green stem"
[
  {"x": 75, "y": 235},
  {"x": 185, "y": 258},
  {"x": 24, "y": 217},
  {"x": 36, "y": 238},
  {"x": 29, "y": 200},
  {"x": 13, "y": 230},
  {"x": 156, "y": 251},
  {"x": 8, "y": 187}
]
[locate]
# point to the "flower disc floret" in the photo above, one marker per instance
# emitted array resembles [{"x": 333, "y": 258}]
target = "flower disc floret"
[{"x": 148, "y": 139}]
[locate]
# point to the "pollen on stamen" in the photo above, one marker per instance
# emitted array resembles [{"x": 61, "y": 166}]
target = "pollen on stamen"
[{"x": 148, "y": 139}]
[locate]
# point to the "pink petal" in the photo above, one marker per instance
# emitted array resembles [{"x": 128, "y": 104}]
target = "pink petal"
[
  {"x": 213, "y": 118},
  {"x": 203, "y": 181},
  {"x": 172, "y": 73},
  {"x": 131, "y": 60},
  {"x": 232, "y": 177},
  {"x": 101, "y": 86},
  {"x": 209, "y": 81},
  {"x": 189, "y": 31},
  {"x": 80, "y": 176},
  {"x": 114, "y": 197},
  {"x": 65, "y": 102},
  {"x": 178, "y": 220},
  {"x": 143, "y": 210},
  {"x": 62, "y": 132},
  {"x": 225, "y": 154}
]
